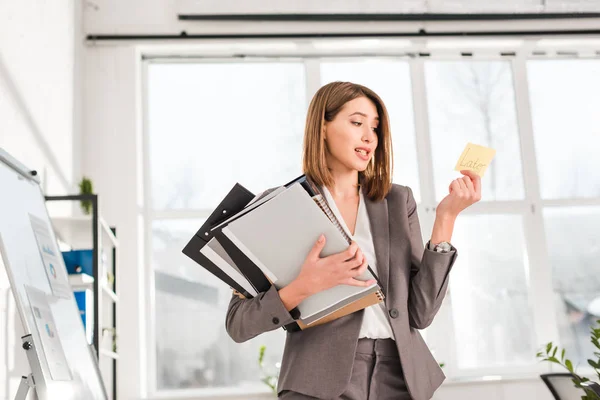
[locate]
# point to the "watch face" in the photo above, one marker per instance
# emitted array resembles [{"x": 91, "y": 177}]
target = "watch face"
[{"x": 444, "y": 247}]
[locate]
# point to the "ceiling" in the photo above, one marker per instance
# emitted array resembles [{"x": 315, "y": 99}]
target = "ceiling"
[{"x": 216, "y": 7}]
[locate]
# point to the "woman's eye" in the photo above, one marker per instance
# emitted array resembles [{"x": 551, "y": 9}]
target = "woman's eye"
[
  {"x": 357, "y": 123},
  {"x": 375, "y": 129}
]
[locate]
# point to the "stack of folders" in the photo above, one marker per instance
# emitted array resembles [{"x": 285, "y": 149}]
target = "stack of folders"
[{"x": 252, "y": 242}]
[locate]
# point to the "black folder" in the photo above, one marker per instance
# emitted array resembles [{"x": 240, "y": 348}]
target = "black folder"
[
  {"x": 237, "y": 198},
  {"x": 235, "y": 201},
  {"x": 192, "y": 250}
]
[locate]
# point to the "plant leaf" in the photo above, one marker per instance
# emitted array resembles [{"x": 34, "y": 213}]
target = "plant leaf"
[
  {"x": 261, "y": 354},
  {"x": 548, "y": 347},
  {"x": 562, "y": 356},
  {"x": 554, "y": 352},
  {"x": 569, "y": 365}
]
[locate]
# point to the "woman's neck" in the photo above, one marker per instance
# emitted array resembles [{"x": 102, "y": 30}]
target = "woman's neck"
[{"x": 345, "y": 185}]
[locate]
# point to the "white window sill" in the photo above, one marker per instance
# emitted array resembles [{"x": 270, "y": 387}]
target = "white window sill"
[{"x": 214, "y": 393}]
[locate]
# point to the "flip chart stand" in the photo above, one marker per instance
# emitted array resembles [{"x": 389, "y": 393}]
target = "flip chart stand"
[{"x": 28, "y": 382}]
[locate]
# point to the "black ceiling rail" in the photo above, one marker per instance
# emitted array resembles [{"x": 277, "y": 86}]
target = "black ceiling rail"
[
  {"x": 382, "y": 17},
  {"x": 421, "y": 33}
]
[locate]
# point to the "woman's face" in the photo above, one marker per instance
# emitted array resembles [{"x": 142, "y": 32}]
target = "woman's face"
[{"x": 351, "y": 137}]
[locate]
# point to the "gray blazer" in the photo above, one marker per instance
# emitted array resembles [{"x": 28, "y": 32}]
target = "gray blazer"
[{"x": 318, "y": 361}]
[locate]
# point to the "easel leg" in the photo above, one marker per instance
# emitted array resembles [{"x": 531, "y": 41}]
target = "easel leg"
[{"x": 24, "y": 386}]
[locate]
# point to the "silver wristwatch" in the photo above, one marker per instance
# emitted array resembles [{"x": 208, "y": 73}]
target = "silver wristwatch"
[{"x": 443, "y": 247}]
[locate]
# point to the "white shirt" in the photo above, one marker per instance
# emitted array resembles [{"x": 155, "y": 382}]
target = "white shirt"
[{"x": 375, "y": 324}]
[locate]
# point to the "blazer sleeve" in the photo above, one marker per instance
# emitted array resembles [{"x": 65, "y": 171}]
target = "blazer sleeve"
[
  {"x": 247, "y": 318},
  {"x": 429, "y": 272}
]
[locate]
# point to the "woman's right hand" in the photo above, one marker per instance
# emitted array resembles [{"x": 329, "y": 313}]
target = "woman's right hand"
[{"x": 318, "y": 274}]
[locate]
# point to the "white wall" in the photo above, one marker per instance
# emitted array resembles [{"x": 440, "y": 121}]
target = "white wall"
[
  {"x": 39, "y": 90},
  {"x": 110, "y": 146},
  {"x": 37, "y": 87}
]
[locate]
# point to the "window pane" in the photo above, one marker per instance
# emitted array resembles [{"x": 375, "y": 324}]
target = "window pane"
[
  {"x": 193, "y": 350},
  {"x": 211, "y": 125},
  {"x": 488, "y": 290},
  {"x": 474, "y": 102},
  {"x": 391, "y": 81},
  {"x": 574, "y": 252},
  {"x": 566, "y": 126}
]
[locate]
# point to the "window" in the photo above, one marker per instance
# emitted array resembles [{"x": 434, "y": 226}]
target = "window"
[
  {"x": 487, "y": 286},
  {"x": 574, "y": 251},
  {"x": 214, "y": 120},
  {"x": 193, "y": 350},
  {"x": 209, "y": 126},
  {"x": 566, "y": 126},
  {"x": 474, "y": 102},
  {"x": 564, "y": 110},
  {"x": 207, "y": 122}
]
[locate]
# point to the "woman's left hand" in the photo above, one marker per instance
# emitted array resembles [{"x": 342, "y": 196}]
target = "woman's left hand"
[{"x": 464, "y": 192}]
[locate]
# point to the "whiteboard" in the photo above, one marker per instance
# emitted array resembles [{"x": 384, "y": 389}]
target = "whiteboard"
[{"x": 40, "y": 285}]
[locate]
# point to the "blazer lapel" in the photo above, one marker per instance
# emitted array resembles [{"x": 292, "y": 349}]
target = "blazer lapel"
[{"x": 380, "y": 230}]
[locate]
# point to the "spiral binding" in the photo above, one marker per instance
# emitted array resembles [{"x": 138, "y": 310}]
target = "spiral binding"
[{"x": 322, "y": 203}]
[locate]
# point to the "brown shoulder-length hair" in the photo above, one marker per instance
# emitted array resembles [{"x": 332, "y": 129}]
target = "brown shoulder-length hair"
[{"x": 325, "y": 105}]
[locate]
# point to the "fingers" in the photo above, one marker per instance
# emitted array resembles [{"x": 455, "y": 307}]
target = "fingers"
[
  {"x": 352, "y": 251},
  {"x": 473, "y": 185},
  {"x": 468, "y": 184},
  {"x": 355, "y": 266},
  {"x": 454, "y": 186},
  {"x": 469, "y": 173},
  {"x": 473, "y": 195},
  {"x": 356, "y": 261},
  {"x": 356, "y": 282},
  {"x": 361, "y": 268},
  {"x": 345, "y": 255},
  {"x": 475, "y": 178},
  {"x": 315, "y": 252}
]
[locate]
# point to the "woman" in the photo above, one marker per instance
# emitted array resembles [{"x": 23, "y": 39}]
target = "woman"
[{"x": 375, "y": 353}]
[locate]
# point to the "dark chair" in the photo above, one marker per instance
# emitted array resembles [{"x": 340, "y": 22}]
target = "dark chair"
[
  {"x": 593, "y": 386},
  {"x": 562, "y": 388}
]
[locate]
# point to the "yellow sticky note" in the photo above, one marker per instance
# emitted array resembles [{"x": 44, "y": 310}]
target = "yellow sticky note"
[{"x": 475, "y": 158}]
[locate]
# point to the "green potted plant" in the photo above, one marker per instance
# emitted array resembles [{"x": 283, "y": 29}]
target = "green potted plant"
[
  {"x": 551, "y": 354},
  {"x": 86, "y": 187},
  {"x": 269, "y": 380}
]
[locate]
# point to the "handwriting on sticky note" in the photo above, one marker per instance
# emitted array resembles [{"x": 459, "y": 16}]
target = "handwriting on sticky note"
[{"x": 475, "y": 158}]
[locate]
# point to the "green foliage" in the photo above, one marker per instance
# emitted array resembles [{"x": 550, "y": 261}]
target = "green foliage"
[
  {"x": 549, "y": 355},
  {"x": 86, "y": 187},
  {"x": 113, "y": 333},
  {"x": 269, "y": 380}
]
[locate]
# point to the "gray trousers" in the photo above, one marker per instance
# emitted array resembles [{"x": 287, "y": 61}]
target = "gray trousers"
[{"x": 376, "y": 374}]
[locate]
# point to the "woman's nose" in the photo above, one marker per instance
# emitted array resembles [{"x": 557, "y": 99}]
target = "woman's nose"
[{"x": 369, "y": 136}]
